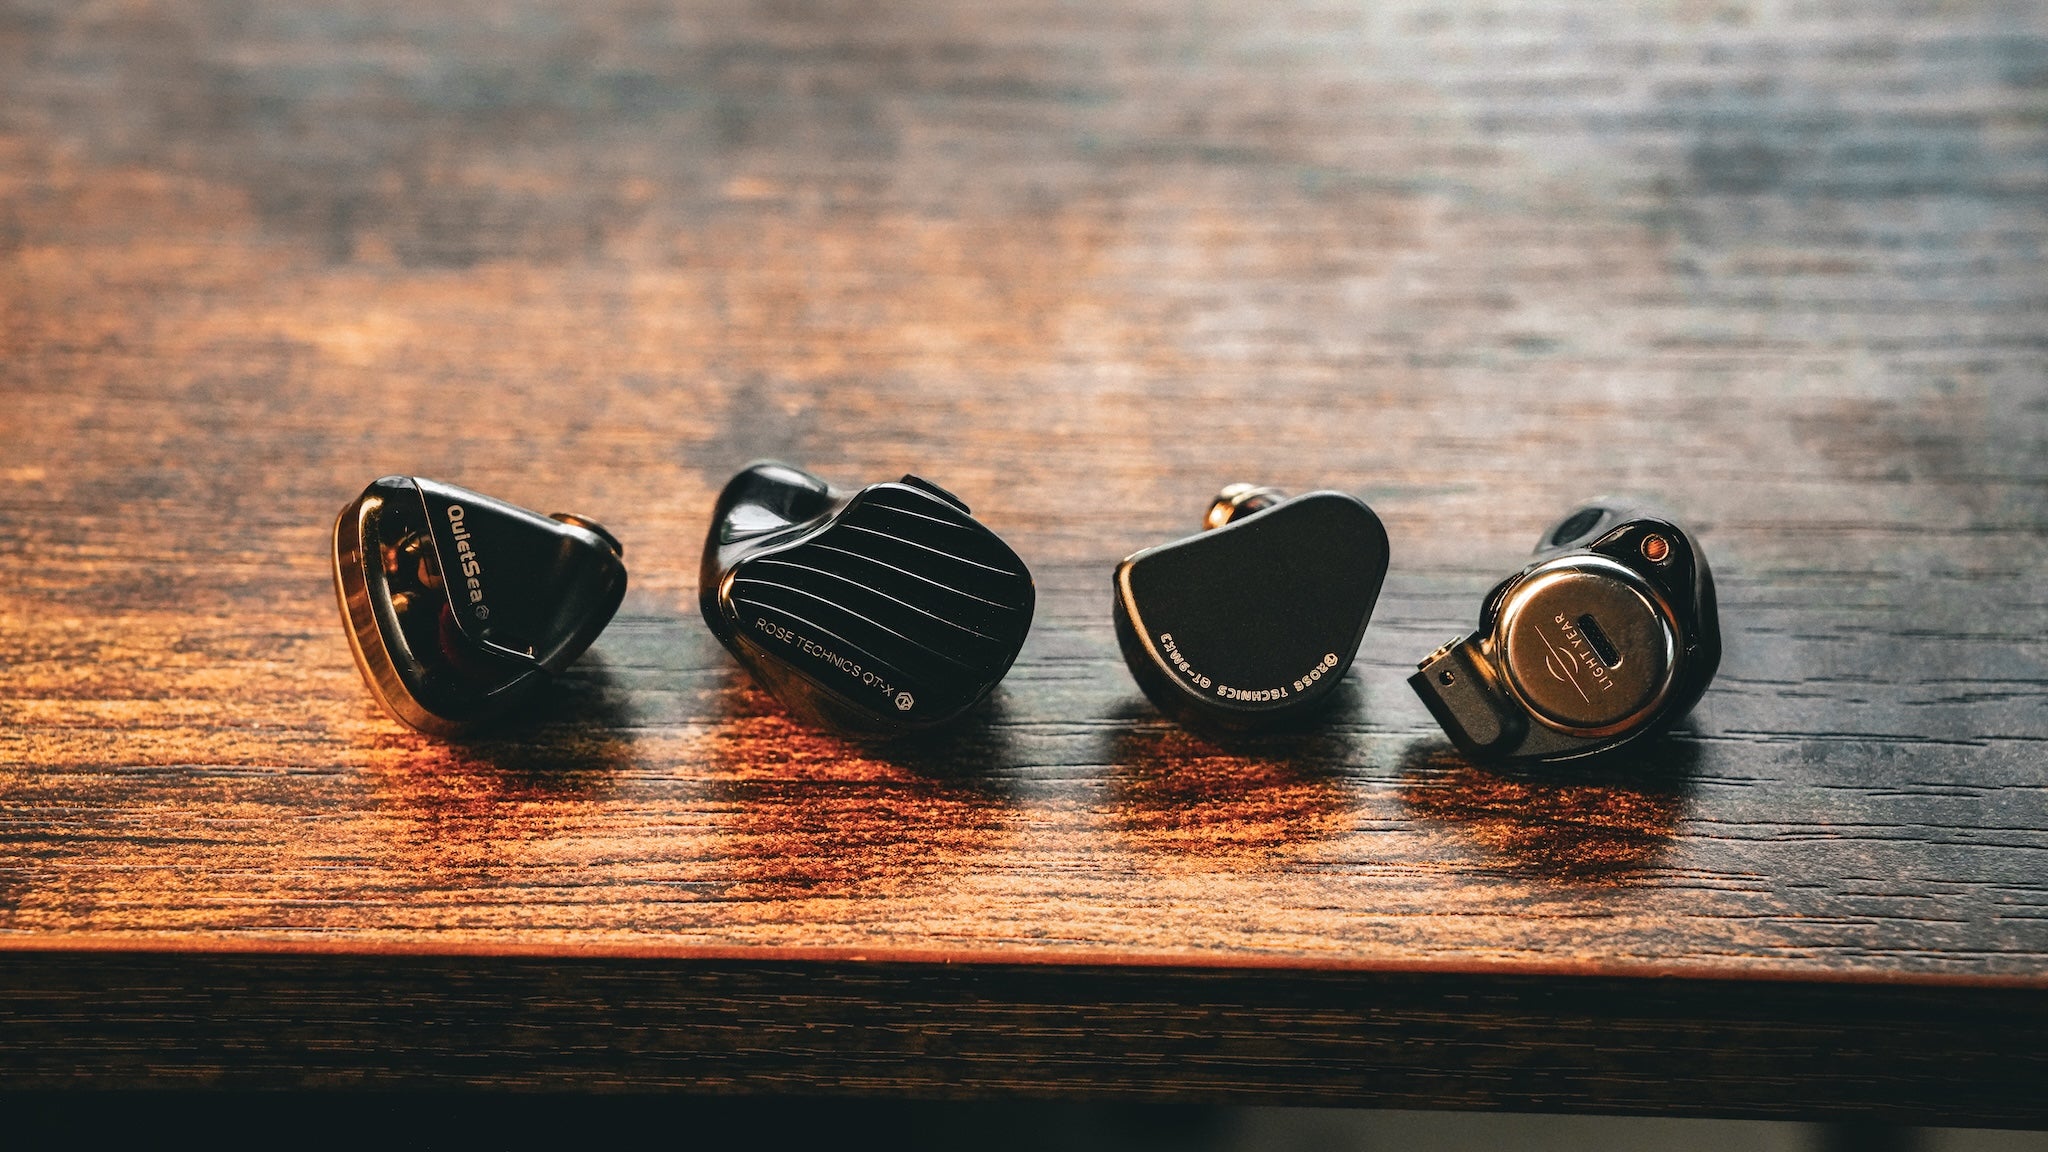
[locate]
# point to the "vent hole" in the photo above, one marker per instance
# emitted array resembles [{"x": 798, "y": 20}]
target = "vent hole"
[
  {"x": 1576, "y": 525},
  {"x": 1602, "y": 646}
]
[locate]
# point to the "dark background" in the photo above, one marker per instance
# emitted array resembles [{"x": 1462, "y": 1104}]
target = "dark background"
[{"x": 915, "y": 1126}]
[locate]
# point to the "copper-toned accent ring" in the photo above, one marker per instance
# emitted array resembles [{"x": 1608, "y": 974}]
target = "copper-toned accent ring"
[{"x": 1240, "y": 500}]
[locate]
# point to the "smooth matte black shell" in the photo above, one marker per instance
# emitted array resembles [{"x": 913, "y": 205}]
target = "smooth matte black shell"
[{"x": 1252, "y": 624}]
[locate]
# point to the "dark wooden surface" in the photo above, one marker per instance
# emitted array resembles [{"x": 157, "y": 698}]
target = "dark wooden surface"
[{"x": 1784, "y": 268}]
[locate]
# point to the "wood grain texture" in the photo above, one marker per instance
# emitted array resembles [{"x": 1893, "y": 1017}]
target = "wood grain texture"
[
  {"x": 939, "y": 1031},
  {"x": 1782, "y": 267}
]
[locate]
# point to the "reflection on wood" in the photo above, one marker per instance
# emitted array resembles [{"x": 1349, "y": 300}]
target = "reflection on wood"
[
  {"x": 1608, "y": 823},
  {"x": 1177, "y": 795},
  {"x": 808, "y": 815}
]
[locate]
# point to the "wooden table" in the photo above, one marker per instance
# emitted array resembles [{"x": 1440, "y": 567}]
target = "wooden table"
[{"x": 1785, "y": 270}]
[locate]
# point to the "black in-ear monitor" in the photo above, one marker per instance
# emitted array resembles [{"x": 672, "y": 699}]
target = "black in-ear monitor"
[
  {"x": 1252, "y": 623},
  {"x": 883, "y": 611},
  {"x": 1610, "y": 634},
  {"x": 459, "y": 606}
]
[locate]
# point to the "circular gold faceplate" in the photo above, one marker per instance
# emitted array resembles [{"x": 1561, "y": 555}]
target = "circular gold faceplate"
[{"x": 1587, "y": 644}]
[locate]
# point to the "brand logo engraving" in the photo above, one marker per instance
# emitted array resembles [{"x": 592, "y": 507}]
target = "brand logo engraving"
[
  {"x": 1174, "y": 656},
  {"x": 1316, "y": 673},
  {"x": 1180, "y": 662},
  {"x": 1564, "y": 663},
  {"x": 1559, "y": 662},
  {"x": 903, "y": 701},
  {"x": 466, "y": 562}
]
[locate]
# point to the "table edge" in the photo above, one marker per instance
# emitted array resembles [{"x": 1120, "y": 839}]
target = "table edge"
[{"x": 1078, "y": 958}]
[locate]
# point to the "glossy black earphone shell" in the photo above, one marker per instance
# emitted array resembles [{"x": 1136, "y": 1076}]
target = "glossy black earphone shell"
[
  {"x": 850, "y": 608},
  {"x": 554, "y": 582},
  {"x": 1252, "y": 624}
]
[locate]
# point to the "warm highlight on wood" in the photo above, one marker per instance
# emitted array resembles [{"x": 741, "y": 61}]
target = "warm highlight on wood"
[{"x": 1781, "y": 269}]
